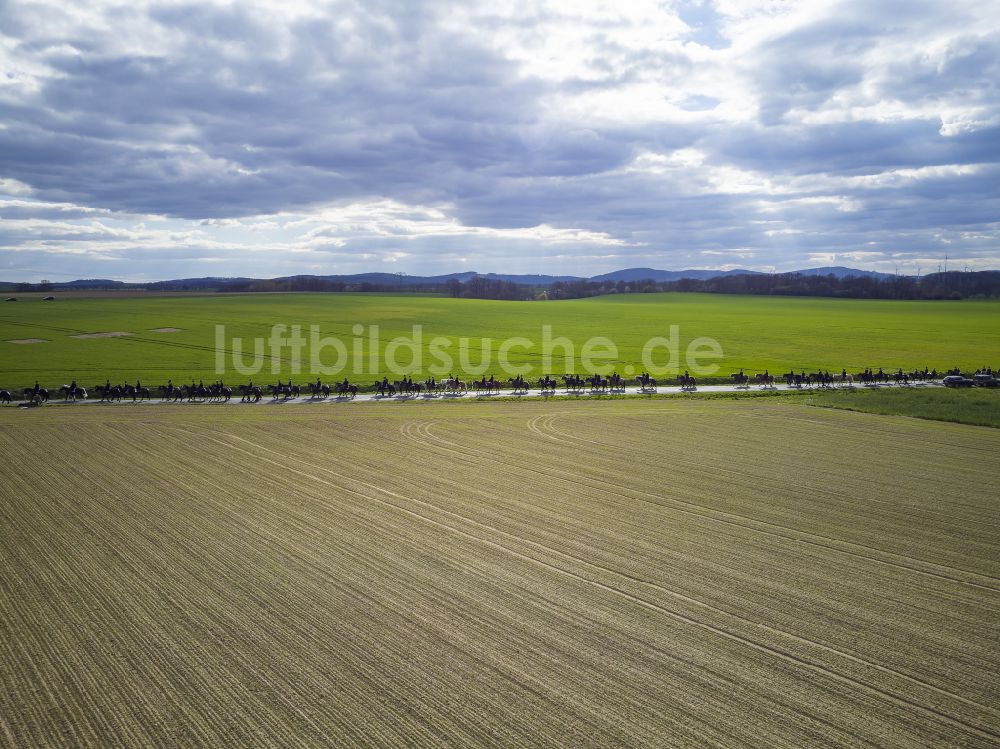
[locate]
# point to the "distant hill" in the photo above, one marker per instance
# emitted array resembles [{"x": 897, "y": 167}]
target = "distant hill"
[
  {"x": 90, "y": 283},
  {"x": 193, "y": 284},
  {"x": 390, "y": 280},
  {"x": 529, "y": 280},
  {"x": 841, "y": 272},
  {"x": 384, "y": 279},
  {"x": 643, "y": 274}
]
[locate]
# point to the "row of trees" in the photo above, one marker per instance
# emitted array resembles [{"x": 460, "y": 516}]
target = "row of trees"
[
  {"x": 954, "y": 285},
  {"x": 479, "y": 287},
  {"x": 307, "y": 283},
  {"x": 982, "y": 284}
]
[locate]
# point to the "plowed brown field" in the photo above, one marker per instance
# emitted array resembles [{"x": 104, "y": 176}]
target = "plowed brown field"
[{"x": 633, "y": 574}]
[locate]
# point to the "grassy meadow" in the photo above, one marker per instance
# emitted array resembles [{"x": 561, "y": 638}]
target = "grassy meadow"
[
  {"x": 754, "y": 333},
  {"x": 974, "y": 406}
]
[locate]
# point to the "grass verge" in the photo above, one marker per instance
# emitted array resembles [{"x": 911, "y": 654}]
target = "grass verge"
[{"x": 976, "y": 406}]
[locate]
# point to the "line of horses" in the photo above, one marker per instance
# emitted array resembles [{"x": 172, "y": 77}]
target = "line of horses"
[
  {"x": 826, "y": 379},
  {"x": 407, "y": 387}
]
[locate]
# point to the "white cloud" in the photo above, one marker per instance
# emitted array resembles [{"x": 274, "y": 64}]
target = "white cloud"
[{"x": 428, "y": 135}]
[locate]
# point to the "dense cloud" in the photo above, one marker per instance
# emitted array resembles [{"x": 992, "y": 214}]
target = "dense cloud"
[{"x": 174, "y": 139}]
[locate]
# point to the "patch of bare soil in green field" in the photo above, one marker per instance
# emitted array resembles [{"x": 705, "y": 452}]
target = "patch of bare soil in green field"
[
  {"x": 112, "y": 334},
  {"x": 629, "y": 573}
]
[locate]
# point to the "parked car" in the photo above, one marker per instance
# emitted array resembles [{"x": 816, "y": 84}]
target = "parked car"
[
  {"x": 957, "y": 381},
  {"x": 986, "y": 381}
]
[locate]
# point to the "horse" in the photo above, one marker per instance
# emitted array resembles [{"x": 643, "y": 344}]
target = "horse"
[
  {"x": 456, "y": 386},
  {"x": 73, "y": 392},
  {"x": 823, "y": 378},
  {"x": 740, "y": 380},
  {"x": 346, "y": 389},
  {"x": 687, "y": 382},
  {"x": 5, "y": 397},
  {"x": 251, "y": 393},
  {"x": 42, "y": 396},
  {"x": 597, "y": 383},
  {"x": 318, "y": 389},
  {"x": 547, "y": 384},
  {"x": 573, "y": 383},
  {"x": 137, "y": 393},
  {"x": 221, "y": 392},
  {"x": 108, "y": 392},
  {"x": 518, "y": 385},
  {"x": 285, "y": 391},
  {"x": 486, "y": 385},
  {"x": 408, "y": 387},
  {"x": 646, "y": 383}
]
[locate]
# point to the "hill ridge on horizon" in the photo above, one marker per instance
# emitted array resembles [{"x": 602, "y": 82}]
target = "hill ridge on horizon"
[{"x": 627, "y": 275}]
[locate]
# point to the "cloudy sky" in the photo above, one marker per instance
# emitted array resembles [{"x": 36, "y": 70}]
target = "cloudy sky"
[{"x": 150, "y": 140}]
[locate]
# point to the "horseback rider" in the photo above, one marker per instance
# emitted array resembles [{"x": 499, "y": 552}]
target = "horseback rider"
[{"x": 37, "y": 388}]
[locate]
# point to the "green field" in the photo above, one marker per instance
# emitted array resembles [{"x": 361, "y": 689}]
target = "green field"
[
  {"x": 977, "y": 406},
  {"x": 627, "y": 573},
  {"x": 754, "y": 333}
]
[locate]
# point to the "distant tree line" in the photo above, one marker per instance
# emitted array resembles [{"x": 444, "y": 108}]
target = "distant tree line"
[
  {"x": 306, "y": 283},
  {"x": 954, "y": 285},
  {"x": 479, "y": 287}
]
